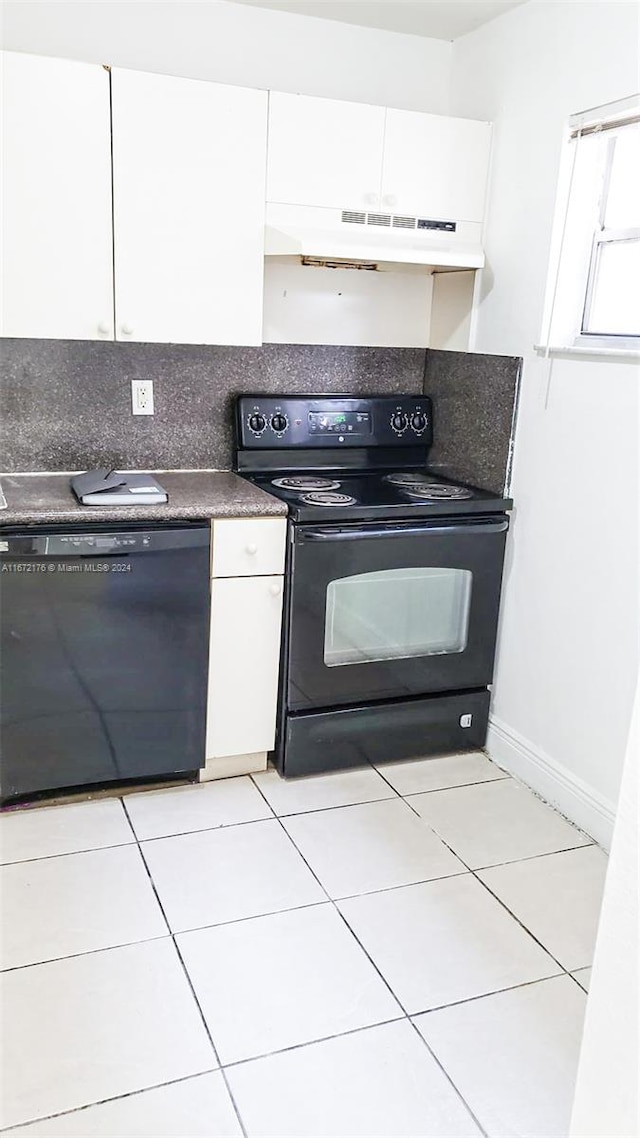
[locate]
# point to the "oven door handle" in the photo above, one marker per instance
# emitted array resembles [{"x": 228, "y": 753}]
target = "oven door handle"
[{"x": 338, "y": 533}]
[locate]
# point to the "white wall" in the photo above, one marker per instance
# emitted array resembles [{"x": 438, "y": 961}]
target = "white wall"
[
  {"x": 607, "y": 1101},
  {"x": 306, "y": 304},
  {"x": 234, "y": 43},
  {"x": 451, "y": 311},
  {"x": 568, "y": 644}
]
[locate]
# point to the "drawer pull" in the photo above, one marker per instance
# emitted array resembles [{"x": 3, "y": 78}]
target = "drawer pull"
[
  {"x": 275, "y": 589},
  {"x": 252, "y": 548}
]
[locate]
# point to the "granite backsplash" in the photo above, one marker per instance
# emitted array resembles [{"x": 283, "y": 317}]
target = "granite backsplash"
[
  {"x": 475, "y": 399},
  {"x": 66, "y": 405}
]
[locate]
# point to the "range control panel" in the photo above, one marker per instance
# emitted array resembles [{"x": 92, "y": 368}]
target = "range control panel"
[{"x": 267, "y": 423}]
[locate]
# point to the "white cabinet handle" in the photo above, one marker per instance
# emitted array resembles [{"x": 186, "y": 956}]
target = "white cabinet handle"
[
  {"x": 252, "y": 549},
  {"x": 275, "y": 589},
  {"x": 370, "y": 199},
  {"x": 104, "y": 328},
  {"x": 389, "y": 199},
  {"x": 126, "y": 330}
]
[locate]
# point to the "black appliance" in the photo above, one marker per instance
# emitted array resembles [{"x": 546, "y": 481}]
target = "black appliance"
[
  {"x": 104, "y": 654},
  {"x": 392, "y": 581}
]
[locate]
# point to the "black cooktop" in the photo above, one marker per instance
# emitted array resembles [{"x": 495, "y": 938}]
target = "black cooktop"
[
  {"x": 336, "y": 495},
  {"x": 345, "y": 457}
]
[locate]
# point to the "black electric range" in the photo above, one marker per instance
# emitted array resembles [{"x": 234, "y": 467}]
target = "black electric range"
[{"x": 393, "y": 580}]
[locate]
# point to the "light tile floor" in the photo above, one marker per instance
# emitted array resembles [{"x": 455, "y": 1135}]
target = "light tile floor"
[{"x": 402, "y": 951}]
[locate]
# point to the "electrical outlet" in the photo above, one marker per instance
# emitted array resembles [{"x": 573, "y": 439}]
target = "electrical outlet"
[{"x": 142, "y": 396}]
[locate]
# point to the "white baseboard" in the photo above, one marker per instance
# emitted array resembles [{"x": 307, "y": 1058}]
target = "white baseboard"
[{"x": 582, "y": 805}]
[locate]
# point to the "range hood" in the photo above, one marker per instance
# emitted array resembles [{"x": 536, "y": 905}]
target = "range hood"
[{"x": 373, "y": 239}]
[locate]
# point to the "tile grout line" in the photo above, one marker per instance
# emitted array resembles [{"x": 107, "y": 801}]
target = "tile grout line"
[
  {"x": 383, "y": 978},
  {"x": 276, "y": 818},
  {"x": 85, "y": 952},
  {"x": 576, "y": 981},
  {"x": 190, "y": 983},
  {"x": 449, "y": 1079},
  {"x": 498, "y": 899},
  {"x": 437, "y": 789},
  {"x": 69, "y": 853},
  {"x": 486, "y": 995},
  {"x": 522, "y": 925},
  {"x": 103, "y": 1101},
  {"x": 535, "y": 857},
  {"x": 336, "y": 806},
  {"x": 310, "y": 1043},
  {"x": 215, "y": 1051}
]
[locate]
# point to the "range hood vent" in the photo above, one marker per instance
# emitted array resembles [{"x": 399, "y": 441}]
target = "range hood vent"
[
  {"x": 352, "y": 217},
  {"x": 333, "y": 235}
]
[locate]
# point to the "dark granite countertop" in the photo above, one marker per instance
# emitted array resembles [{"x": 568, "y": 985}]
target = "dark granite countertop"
[{"x": 201, "y": 494}]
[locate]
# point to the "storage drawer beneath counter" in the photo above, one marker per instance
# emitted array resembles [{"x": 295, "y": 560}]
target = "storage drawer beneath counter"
[
  {"x": 248, "y": 547},
  {"x": 386, "y": 732}
]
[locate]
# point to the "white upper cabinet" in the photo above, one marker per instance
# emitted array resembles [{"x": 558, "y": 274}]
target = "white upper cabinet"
[
  {"x": 189, "y": 162},
  {"x": 323, "y": 152},
  {"x": 435, "y": 166},
  {"x": 56, "y": 199},
  {"x": 352, "y": 156}
]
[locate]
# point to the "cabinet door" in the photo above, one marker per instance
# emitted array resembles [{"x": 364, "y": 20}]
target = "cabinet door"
[
  {"x": 435, "y": 166},
  {"x": 189, "y": 161},
  {"x": 323, "y": 152},
  {"x": 246, "y": 615},
  {"x": 57, "y": 279}
]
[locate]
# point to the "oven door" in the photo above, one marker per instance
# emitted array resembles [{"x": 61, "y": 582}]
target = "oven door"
[{"x": 387, "y": 611}]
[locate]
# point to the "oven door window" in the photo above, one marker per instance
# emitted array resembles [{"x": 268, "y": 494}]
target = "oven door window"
[{"x": 395, "y": 614}]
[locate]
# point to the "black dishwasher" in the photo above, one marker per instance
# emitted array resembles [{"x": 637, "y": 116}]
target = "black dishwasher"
[{"x": 104, "y": 654}]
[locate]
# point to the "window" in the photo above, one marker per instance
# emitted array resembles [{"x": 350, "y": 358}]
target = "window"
[
  {"x": 612, "y": 301},
  {"x": 593, "y": 293}
]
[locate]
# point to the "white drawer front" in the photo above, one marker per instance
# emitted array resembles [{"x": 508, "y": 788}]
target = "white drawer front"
[{"x": 251, "y": 547}]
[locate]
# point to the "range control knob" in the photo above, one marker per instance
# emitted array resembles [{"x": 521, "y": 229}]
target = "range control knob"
[
  {"x": 257, "y": 422},
  {"x": 279, "y": 422},
  {"x": 418, "y": 421},
  {"x": 399, "y": 421}
]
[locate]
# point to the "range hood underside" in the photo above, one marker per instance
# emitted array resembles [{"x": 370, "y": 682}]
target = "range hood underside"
[{"x": 300, "y": 231}]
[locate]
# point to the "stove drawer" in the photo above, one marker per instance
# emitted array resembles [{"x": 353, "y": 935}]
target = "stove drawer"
[
  {"x": 381, "y": 733},
  {"x": 248, "y": 547}
]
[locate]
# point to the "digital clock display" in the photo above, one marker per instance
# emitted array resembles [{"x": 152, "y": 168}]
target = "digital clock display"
[{"x": 340, "y": 422}]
